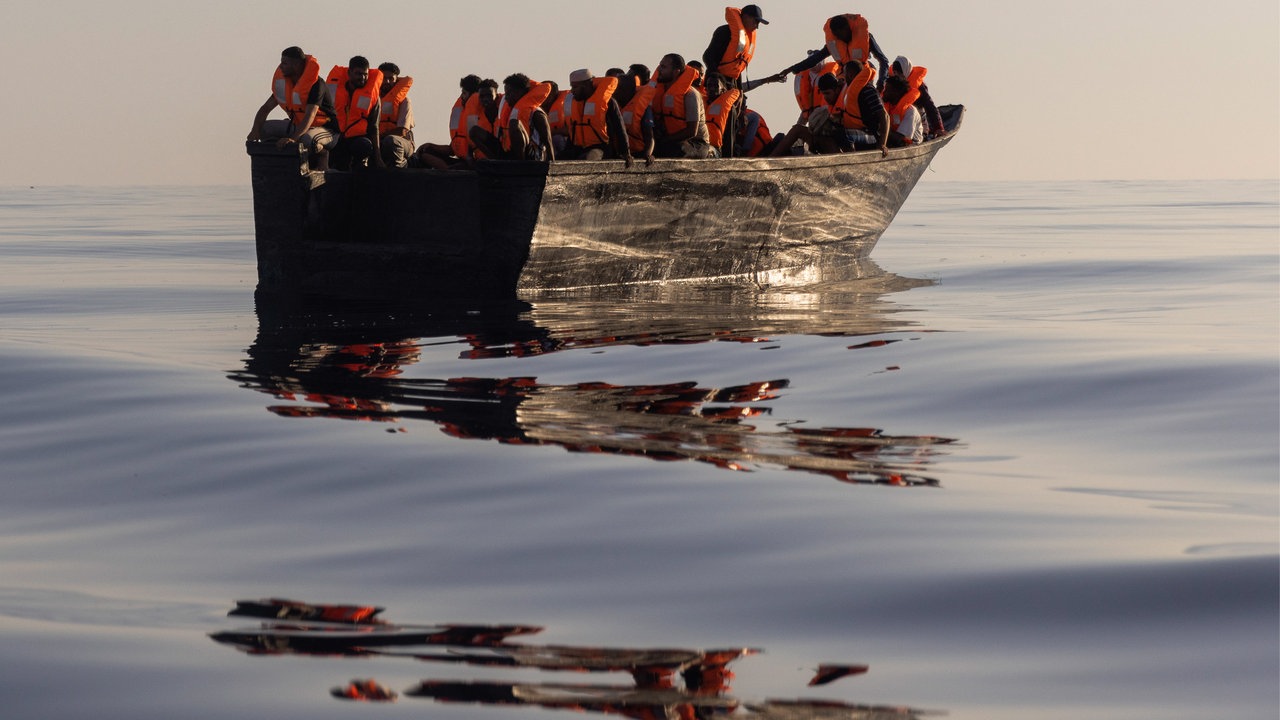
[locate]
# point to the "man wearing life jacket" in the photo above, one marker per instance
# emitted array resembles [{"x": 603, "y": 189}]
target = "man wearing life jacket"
[
  {"x": 861, "y": 111},
  {"x": 594, "y": 119},
  {"x": 443, "y": 157},
  {"x": 298, "y": 90},
  {"x": 553, "y": 106},
  {"x": 730, "y": 51},
  {"x": 521, "y": 131},
  {"x": 905, "y": 125},
  {"x": 720, "y": 99},
  {"x": 355, "y": 94},
  {"x": 847, "y": 39},
  {"x": 635, "y": 96},
  {"x": 680, "y": 124},
  {"x": 851, "y": 117},
  {"x": 805, "y": 84},
  {"x": 395, "y": 117},
  {"x": 902, "y": 67},
  {"x": 754, "y": 138}
]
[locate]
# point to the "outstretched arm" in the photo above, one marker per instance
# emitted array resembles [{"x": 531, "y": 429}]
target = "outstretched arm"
[{"x": 255, "y": 132}]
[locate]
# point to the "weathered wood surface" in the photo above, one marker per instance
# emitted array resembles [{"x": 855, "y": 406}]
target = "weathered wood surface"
[{"x": 537, "y": 226}]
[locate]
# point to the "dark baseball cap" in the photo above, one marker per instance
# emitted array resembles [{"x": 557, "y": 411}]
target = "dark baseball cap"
[{"x": 754, "y": 11}]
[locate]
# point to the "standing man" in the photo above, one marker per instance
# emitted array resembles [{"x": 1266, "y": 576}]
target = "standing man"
[
  {"x": 848, "y": 38},
  {"x": 395, "y": 117},
  {"x": 355, "y": 91},
  {"x": 729, "y": 53},
  {"x": 297, "y": 89}
]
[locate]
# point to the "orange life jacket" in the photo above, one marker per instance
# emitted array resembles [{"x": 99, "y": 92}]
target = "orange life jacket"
[
  {"x": 741, "y": 48},
  {"x": 808, "y": 96},
  {"x": 474, "y": 116},
  {"x": 523, "y": 110},
  {"x": 668, "y": 102},
  {"x": 292, "y": 96},
  {"x": 915, "y": 78},
  {"x": 586, "y": 120},
  {"x": 763, "y": 137},
  {"x": 718, "y": 115},
  {"x": 633, "y": 116},
  {"x": 555, "y": 116},
  {"x": 858, "y": 47},
  {"x": 848, "y": 107},
  {"x": 899, "y": 109},
  {"x": 391, "y": 103},
  {"x": 354, "y": 107},
  {"x": 458, "y": 141}
]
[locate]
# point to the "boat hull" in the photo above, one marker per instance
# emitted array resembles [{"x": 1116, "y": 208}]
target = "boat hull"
[{"x": 508, "y": 227}]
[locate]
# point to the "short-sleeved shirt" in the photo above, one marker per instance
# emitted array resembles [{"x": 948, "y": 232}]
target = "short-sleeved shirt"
[
  {"x": 911, "y": 126},
  {"x": 320, "y": 95},
  {"x": 693, "y": 107}
]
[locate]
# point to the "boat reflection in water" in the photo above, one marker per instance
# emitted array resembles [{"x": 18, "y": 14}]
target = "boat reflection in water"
[
  {"x": 664, "y": 682},
  {"x": 351, "y": 365}
]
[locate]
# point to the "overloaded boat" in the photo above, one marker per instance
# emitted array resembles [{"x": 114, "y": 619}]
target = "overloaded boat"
[{"x": 506, "y": 226}]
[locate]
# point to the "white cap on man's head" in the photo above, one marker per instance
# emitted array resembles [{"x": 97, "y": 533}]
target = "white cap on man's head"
[{"x": 582, "y": 75}]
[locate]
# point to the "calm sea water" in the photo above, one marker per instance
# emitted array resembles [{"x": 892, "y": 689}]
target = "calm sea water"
[{"x": 1025, "y": 465}]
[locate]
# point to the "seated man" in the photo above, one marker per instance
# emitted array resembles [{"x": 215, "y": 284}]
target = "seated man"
[
  {"x": 395, "y": 118},
  {"x": 521, "y": 131},
  {"x": 634, "y": 96},
  {"x": 312, "y": 119},
  {"x": 902, "y": 68},
  {"x": 680, "y": 124},
  {"x": 838, "y": 124},
  {"x": 355, "y": 95},
  {"x": 905, "y": 127},
  {"x": 458, "y": 150},
  {"x": 861, "y": 111},
  {"x": 593, "y": 119},
  {"x": 720, "y": 99}
]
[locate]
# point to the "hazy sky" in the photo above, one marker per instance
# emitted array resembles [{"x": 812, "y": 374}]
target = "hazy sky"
[{"x": 149, "y": 92}]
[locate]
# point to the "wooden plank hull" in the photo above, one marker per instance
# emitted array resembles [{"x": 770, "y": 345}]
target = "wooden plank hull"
[{"x": 524, "y": 226}]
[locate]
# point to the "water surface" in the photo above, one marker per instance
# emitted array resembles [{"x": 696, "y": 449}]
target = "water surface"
[{"x": 1024, "y": 464}]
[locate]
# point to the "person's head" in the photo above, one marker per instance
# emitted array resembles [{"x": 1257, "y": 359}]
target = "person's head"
[
  {"x": 894, "y": 88},
  {"x": 488, "y": 92},
  {"x": 390, "y": 75},
  {"x": 581, "y": 84},
  {"x": 515, "y": 86},
  {"x": 468, "y": 85},
  {"x": 840, "y": 28},
  {"x": 852, "y": 69},
  {"x": 901, "y": 67},
  {"x": 358, "y": 71},
  {"x": 615, "y": 72},
  {"x": 640, "y": 73},
  {"x": 752, "y": 17},
  {"x": 716, "y": 84},
  {"x": 292, "y": 62},
  {"x": 669, "y": 68},
  {"x": 829, "y": 86},
  {"x": 702, "y": 71},
  {"x": 550, "y": 102}
]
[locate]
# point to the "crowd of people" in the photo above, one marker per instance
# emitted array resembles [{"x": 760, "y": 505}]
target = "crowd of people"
[{"x": 359, "y": 116}]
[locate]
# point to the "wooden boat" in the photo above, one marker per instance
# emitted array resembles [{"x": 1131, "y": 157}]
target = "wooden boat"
[{"x": 517, "y": 226}]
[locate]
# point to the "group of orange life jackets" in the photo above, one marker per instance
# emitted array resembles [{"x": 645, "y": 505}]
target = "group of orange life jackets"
[
  {"x": 353, "y": 106},
  {"x": 846, "y": 108}
]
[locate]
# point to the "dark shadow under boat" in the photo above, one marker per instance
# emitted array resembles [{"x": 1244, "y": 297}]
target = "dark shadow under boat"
[{"x": 523, "y": 226}]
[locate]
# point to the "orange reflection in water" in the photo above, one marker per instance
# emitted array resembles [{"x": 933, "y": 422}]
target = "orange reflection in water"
[{"x": 664, "y": 682}]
